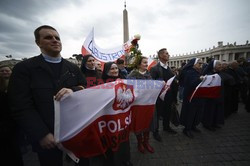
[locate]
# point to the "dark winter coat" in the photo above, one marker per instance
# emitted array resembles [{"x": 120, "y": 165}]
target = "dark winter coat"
[
  {"x": 191, "y": 112},
  {"x": 32, "y": 87}
]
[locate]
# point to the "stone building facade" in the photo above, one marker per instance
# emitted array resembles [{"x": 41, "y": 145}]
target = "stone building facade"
[
  {"x": 222, "y": 52},
  {"x": 10, "y": 62}
]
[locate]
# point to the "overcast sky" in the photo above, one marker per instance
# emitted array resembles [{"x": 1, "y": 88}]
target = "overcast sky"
[{"x": 182, "y": 26}]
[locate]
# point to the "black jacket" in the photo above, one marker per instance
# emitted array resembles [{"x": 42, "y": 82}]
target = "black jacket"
[
  {"x": 159, "y": 73},
  {"x": 31, "y": 89},
  {"x": 135, "y": 74}
]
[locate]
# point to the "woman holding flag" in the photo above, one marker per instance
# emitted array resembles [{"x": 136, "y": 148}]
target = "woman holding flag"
[
  {"x": 213, "y": 115},
  {"x": 191, "y": 110},
  {"x": 140, "y": 72},
  {"x": 121, "y": 157}
]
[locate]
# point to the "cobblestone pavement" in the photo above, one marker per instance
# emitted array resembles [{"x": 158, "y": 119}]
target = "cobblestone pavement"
[{"x": 228, "y": 146}]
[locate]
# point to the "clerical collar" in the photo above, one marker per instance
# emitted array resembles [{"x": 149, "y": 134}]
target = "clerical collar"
[
  {"x": 164, "y": 65},
  {"x": 52, "y": 59},
  {"x": 144, "y": 72},
  {"x": 89, "y": 68}
]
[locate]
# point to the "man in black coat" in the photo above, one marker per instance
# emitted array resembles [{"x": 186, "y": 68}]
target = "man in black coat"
[
  {"x": 232, "y": 71},
  {"x": 161, "y": 71},
  {"x": 33, "y": 86}
]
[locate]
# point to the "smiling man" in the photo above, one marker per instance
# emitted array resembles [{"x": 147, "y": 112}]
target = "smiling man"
[{"x": 33, "y": 86}]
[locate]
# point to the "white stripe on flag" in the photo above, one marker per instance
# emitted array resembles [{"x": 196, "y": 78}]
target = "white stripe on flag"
[
  {"x": 209, "y": 81},
  {"x": 166, "y": 88}
]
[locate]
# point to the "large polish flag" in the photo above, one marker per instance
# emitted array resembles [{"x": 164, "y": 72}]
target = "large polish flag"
[
  {"x": 210, "y": 87},
  {"x": 90, "y": 121}
]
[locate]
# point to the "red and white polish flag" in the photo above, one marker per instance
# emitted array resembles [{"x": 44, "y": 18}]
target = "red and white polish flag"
[
  {"x": 151, "y": 63},
  {"x": 166, "y": 88},
  {"x": 90, "y": 121},
  {"x": 210, "y": 87}
]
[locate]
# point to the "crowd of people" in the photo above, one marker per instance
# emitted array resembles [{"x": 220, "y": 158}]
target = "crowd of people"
[{"x": 28, "y": 91}]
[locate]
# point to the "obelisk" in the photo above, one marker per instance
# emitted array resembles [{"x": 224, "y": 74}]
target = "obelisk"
[
  {"x": 125, "y": 29},
  {"x": 125, "y": 24}
]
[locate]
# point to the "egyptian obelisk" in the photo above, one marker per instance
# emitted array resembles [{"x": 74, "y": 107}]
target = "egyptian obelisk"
[
  {"x": 125, "y": 28},
  {"x": 125, "y": 24}
]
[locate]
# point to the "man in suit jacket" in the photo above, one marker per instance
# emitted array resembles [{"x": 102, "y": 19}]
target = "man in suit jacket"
[
  {"x": 161, "y": 71},
  {"x": 34, "y": 84}
]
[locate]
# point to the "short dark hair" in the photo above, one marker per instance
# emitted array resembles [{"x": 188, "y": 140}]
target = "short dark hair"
[
  {"x": 36, "y": 32},
  {"x": 161, "y": 51},
  {"x": 120, "y": 61}
]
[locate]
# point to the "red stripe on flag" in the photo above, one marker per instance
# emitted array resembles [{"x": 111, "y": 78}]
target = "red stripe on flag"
[
  {"x": 109, "y": 131},
  {"x": 141, "y": 117},
  {"x": 152, "y": 64},
  {"x": 208, "y": 92},
  {"x": 84, "y": 51}
]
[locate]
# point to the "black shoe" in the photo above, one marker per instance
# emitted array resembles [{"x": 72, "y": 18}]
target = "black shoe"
[
  {"x": 196, "y": 130},
  {"x": 188, "y": 133},
  {"x": 157, "y": 136},
  {"x": 210, "y": 128},
  {"x": 216, "y": 127},
  {"x": 170, "y": 130},
  {"x": 127, "y": 163}
]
